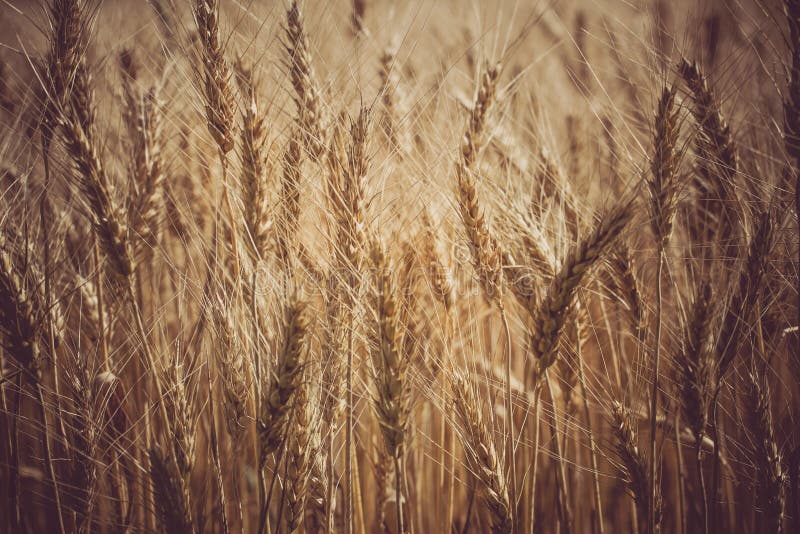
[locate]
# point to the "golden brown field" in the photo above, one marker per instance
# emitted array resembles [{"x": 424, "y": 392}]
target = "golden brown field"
[{"x": 406, "y": 267}]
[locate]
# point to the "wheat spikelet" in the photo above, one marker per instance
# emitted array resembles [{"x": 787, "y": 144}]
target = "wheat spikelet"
[
  {"x": 107, "y": 219},
  {"x": 317, "y": 505},
  {"x": 629, "y": 286},
  {"x": 716, "y": 141},
  {"x": 181, "y": 432},
  {"x": 440, "y": 274},
  {"x": 81, "y": 98},
  {"x": 234, "y": 373},
  {"x": 67, "y": 19},
  {"x": 171, "y": 505},
  {"x": 143, "y": 117},
  {"x": 486, "y": 254},
  {"x": 83, "y": 472},
  {"x": 717, "y": 158},
  {"x": 743, "y": 303},
  {"x": 347, "y": 168}
]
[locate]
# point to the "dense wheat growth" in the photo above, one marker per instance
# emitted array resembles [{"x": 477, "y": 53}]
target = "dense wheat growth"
[{"x": 404, "y": 267}]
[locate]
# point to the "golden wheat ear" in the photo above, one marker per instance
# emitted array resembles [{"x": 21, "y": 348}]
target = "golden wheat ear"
[
  {"x": 301, "y": 73},
  {"x": 550, "y": 316},
  {"x": 216, "y": 74},
  {"x": 258, "y": 223},
  {"x": 284, "y": 379},
  {"x": 481, "y": 454},
  {"x": 634, "y": 464}
]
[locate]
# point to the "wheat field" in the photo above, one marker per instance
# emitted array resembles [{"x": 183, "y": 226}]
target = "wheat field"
[{"x": 405, "y": 267}]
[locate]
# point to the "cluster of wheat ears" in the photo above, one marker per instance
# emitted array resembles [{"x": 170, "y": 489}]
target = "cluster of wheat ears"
[{"x": 425, "y": 267}]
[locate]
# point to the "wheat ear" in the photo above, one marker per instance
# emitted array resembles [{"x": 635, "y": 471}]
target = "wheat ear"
[
  {"x": 302, "y": 449},
  {"x": 390, "y": 367},
  {"x": 301, "y": 73},
  {"x": 254, "y": 173},
  {"x": 633, "y": 463},
  {"x": 550, "y": 316},
  {"x": 482, "y": 455},
  {"x": 768, "y": 459},
  {"x": 284, "y": 380},
  {"x": 716, "y": 158}
]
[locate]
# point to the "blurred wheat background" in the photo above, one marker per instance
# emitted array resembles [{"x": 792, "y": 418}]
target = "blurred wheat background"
[{"x": 403, "y": 267}]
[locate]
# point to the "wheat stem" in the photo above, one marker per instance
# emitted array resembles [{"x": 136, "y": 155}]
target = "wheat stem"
[{"x": 651, "y": 521}]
